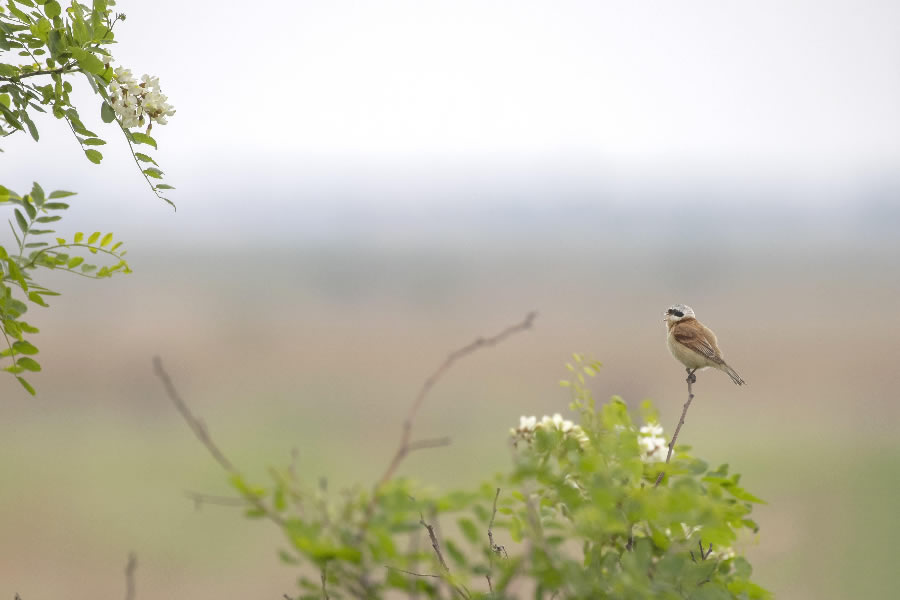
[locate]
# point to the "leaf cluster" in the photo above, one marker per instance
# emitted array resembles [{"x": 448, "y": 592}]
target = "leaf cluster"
[
  {"x": 36, "y": 247},
  {"x": 568, "y": 520}
]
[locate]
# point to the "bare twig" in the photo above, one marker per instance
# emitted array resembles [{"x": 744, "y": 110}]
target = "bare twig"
[
  {"x": 200, "y": 499},
  {"x": 406, "y": 446},
  {"x": 497, "y": 548},
  {"x": 434, "y": 541},
  {"x": 130, "y": 568},
  {"x": 703, "y": 555},
  {"x": 413, "y": 572},
  {"x": 691, "y": 378},
  {"x": 437, "y": 550},
  {"x": 324, "y": 575},
  {"x": 202, "y": 434}
]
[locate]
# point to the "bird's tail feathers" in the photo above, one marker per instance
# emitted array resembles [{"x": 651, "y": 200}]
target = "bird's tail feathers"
[{"x": 733, "y": 374}]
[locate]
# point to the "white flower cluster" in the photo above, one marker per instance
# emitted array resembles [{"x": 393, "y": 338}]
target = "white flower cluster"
[
  {"x": 529, "y": 425},
  {"x": 138, "y": 102},
  {"x": 653, "y": 444}
]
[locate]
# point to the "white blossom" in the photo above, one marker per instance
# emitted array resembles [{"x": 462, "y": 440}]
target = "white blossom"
[
  {"x": 528, "y": 426},
  {"x": 689, "y": 531},
  {"x": 138, "y": 102},
  {"x": 654, "y": 429},
  {"x": 653, "y": 445}
]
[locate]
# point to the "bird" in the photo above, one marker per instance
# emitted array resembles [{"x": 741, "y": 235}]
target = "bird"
[{"x": 693, "y": 344}]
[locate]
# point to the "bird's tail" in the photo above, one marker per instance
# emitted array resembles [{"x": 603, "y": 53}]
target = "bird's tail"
[{"x": 733, "y": 374}]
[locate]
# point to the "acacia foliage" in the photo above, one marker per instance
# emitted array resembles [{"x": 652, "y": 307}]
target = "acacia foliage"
[{"x": 46, "y": 48}]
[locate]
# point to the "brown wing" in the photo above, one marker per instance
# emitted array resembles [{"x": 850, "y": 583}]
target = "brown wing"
[{"x": 699, "y": 339}]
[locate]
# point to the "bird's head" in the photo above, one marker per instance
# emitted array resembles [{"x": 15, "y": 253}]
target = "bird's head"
[{"x": 677, "y": 312}]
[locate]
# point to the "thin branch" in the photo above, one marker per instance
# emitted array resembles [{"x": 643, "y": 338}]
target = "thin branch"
[
  {"x": 405, "y": 446},
  {"x": 130, "y": 568},
  {"x": 437, "y": 550},
  {"x": 691, "y": 379},
  {"x": 413, "y": 573},
  {"x": 201, "y": 433},
  {"x": 429, "y": 443},
  {"x": 434, "y": 541},
  {"x": 495, "y": 547},
  {"x": 324, "y": 589},
  {"x": 67, "y": 68},
  {"x": 200, "y": 499}
]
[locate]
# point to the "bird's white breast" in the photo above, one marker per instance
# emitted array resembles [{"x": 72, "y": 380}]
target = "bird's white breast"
[{"x": 686, "y": 356}]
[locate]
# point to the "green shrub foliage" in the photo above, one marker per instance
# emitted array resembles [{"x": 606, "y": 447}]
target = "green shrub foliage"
[{"x": 576, "y": 516}]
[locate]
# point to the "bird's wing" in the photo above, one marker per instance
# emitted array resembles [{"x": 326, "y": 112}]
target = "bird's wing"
[{"x": 695, "y": 339}]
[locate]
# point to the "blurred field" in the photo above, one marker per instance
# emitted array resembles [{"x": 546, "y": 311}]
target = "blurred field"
[{"x": 322, "y": 347}]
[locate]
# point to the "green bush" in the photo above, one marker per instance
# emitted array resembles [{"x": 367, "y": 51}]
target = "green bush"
[{"x": 577, "y": 516}]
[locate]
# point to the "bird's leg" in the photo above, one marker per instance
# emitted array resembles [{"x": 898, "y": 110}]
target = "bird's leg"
[{"x": 691, "y": 378}]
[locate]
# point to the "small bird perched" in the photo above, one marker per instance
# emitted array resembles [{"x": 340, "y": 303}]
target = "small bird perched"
[{"x": 694, "y": 344}]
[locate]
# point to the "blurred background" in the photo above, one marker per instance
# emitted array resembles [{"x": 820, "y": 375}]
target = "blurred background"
[{"x": 363, "y": 187}]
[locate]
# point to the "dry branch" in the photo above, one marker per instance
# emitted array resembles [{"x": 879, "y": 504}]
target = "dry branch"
[
  {"x": 406, "y": 446},
  {"x": 202, "y": 434},
  {"x": 130, "y": 568},
  {"x": 691, "y": 378}
]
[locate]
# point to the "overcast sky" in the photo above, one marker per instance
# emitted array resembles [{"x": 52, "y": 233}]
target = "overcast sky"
[{"x": 324, "y": 96}]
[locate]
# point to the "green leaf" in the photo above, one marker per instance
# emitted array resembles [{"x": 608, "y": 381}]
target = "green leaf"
[
  {"x": 78, "y": 237},
  {"x": 10, "y": 116},
  {"x": 107, "y": 113},
  {"x": 55, "y": 206},
  {"x": 20, "y": 219},
  {"x": 29, "y": 208},
  {"x": 469, "y": 529},
  {"x": 94, "y": 156},
  {"x": 26, "y": 385},
  {"x": 29, "y": 364},
  {"x": 28, "y": 328},
  {"x": 93, "y": 142},
  {"x": 164, "y": 186},
  {"x": 94, "y": 237},
  {"x": 49, "y": 219},
  {"x": 144, "y": 158},
  {"x": 32, "y": 128},
  {"x": 56, "y": 42},
  {"x": 60, "y": 194},
  {"x": 24, "y": 347},
  {"x": 153, "y": 172},
  {"x": 87, "y": 61},
  {"x": 52, "y": 9},
  {"x": 106, "y": 240},
  {"x": 75, "y": 261},
  {"x": 36, "y": 298},
  {"x": 141, "y": 138}
]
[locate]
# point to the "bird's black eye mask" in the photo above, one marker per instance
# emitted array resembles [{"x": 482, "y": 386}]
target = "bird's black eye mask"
[{"x": 676, "y": 313}]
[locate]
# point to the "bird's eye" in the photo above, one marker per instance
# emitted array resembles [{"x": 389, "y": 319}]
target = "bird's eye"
[
  {"x": 678, "y": 313},
  {"x": 670, "y": 311}
]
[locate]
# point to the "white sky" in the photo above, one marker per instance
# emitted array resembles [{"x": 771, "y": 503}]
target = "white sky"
[{"x": 330, "y": 89}]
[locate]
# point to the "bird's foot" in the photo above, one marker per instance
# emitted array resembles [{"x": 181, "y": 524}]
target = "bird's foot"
[{"x": 691, "y": 378}]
